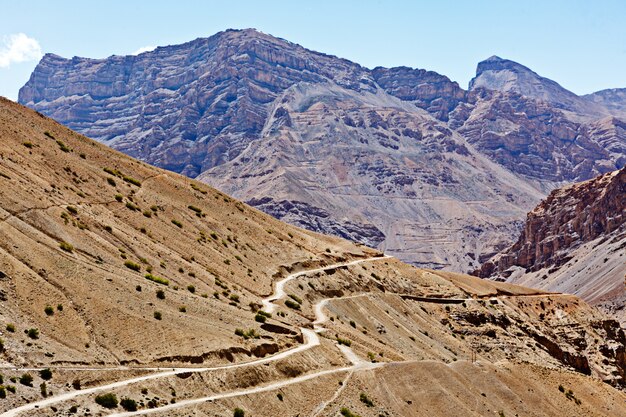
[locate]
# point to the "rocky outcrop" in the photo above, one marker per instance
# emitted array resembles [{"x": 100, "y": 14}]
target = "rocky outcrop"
[
  {"x": 574, "y": 241},
  {"x": 537, "y": 140},
  {"x": 569, "y": 217},
  {"x": 309, "y": 217},
  {"x": 428, "y": 90}
]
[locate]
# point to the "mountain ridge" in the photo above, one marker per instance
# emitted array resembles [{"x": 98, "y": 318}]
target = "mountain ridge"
[{"x": 197, "y": 108}]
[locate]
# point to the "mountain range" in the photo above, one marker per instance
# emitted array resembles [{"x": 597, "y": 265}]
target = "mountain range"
[
  {"x": 126, "y": 289},
  {"x": 400, "y": 159}
]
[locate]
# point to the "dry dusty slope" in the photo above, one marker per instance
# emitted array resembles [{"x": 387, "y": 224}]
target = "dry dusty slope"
[{"x": 82, "y": 226}]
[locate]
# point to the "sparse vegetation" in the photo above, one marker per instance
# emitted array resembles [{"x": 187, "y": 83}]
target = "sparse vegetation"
[
  {"x": 260, "y": 318},
  {"x": 26, "y": 379},
  {"x": 247, "y": 334},
  {"x": 67, "y": 247},
  {"x": 131, "y": 180},
  {"x": 108, "y": 400},
  {"x": 295, "y": 298},
  {"x": 366, "y": 400},
  {"x": 119, "y": 198},
  {"x": 132, "y": 265},
  {"x": 48, "y": 310},
  {"x": 33, "y": 333},
  {"x": 345, "y": 342},
  {"x": 177, "y": 223},
  {"x": 156, "y": 279},
  {"x": 132, "y": 206},
  {"x": 63, "y": 146},
  {"x": 11, "y": 329},
  {"x": 347, "y": 413},
  {"x": 128, "y": 404},
  {"x": 292, "y": 304}
]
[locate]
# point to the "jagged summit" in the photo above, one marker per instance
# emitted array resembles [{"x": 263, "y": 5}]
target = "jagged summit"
[{"x": 499, "y": 74}]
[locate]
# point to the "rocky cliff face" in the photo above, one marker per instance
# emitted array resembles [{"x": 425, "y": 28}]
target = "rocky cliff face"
[
  {"x": 537, "y": 140},
  {"x": 573, "y": 241},
  {"x": 401, "y": 158}
]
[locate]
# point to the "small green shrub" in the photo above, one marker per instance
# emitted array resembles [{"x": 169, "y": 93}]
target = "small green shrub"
[
  {"x": 239, "y": 413},
  {"x": 119, "y": 198},
  {"x": 128, "y": 404},
  {"x": 195, "y": 209},
  {"x": 260, "y": 318},
  {"x": 76, "y": 384},
  {"x": 29, "y": 145},
  {"x": 59, "y": 307},
  {"x": 3, "y": 392},
  {"x": 131, "y": 180},
  {"x": 366, "y": 400},
  {"x": 111, "y": 181},
  {"x": 292, "y": 304},
  {"x": 345, "y": 342},
  {"x": 247, "y": 334},
  {"x": 157, "y": 315},
  {"x": 132, "y": 265},
  {"x": 132, "y": 206},
  {"x": 43, "y": 388},
  {"x": 45, "y": 374},
  {"x": 347, "y": 413},
  {"x": 67, "y": 247},
  {"x": 11, "y": 329},
  {"x": 11, "y": 389},
  {"x": 26, "y": 379},
  {"x": 160, "y": 294},
  {"x": 108, "y": 400},
  {"x": 191, "y": 289},
  {"x": 156, "y": 279},
  {"x": 147, "y": 213},
  {"x": 295, "y": 298},
  {"x": 177, "y": 223},
  {"x": 182, "y": 309},
  {"x": 49, "y": 310},
  {"x": 48, "y": 134},
  {"x": 33, "y": 333},
  {"x": 63, "y": 146}
]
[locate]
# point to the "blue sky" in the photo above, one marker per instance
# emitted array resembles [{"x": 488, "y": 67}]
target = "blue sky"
[{"x": 580, "y": 44}]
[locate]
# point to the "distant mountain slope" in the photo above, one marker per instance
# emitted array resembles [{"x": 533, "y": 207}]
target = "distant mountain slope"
[
  {"x": 575, "y": 242},
  {"x": 373, "y": 159},
  {"x": 243, "y": 110}
]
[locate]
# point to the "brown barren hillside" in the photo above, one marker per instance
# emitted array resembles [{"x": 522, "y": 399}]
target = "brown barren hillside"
[{"x": 127, "y": 280}]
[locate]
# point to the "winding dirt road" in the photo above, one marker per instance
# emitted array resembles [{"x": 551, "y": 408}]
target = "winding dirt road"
[{"x": 311, "y": 339}]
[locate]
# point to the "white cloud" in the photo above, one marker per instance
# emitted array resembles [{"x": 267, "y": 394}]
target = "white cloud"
[
  {"x": 18, "y": 48},
  {"x": 144, "y": 49}
]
